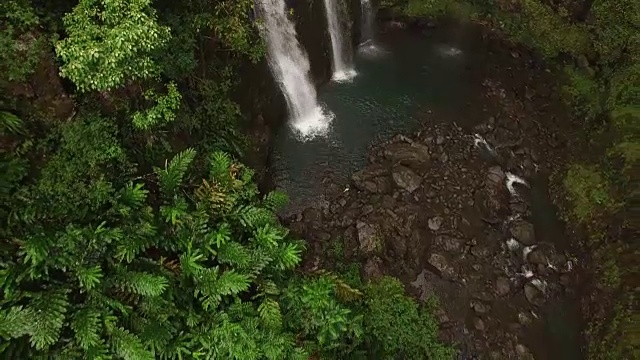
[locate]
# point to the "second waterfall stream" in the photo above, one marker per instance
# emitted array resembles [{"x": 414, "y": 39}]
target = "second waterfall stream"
[
  {"x": 343, "y": 69},
  {"x": 290, "y": 67}
]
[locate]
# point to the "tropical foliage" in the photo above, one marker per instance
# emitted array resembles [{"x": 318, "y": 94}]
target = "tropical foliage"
[{"x": 129, "y": 229}]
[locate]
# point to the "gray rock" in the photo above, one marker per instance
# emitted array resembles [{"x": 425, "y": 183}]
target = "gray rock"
[
  {"x": 537, "y": 257},
  {"x": 503, "y": 286},
  {"x": 371, "y": 268},
  {"x": 372, "y": 178},
  {"x": 523, "y": 232},
  {"x": 435, "y": 223},
  {"x": 413, "y": 155},
  {"x": 405, "y": 178},
  {"x": 534, "y": 295},
  {"x": 478, "y": 324},
  {"x": 480, "y": 307},
  {"x": 523, "y": 353},
  {"x": 368, "y": 237},
  {"x": 441, "y": 264},
  {"x": 450, "y": 244}
]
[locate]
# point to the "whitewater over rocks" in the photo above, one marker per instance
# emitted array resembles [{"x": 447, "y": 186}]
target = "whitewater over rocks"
[{"x": 448, "y": 211}]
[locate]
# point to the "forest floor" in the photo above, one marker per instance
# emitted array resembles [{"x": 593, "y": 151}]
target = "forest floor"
[{"x": 433, "y": 209}]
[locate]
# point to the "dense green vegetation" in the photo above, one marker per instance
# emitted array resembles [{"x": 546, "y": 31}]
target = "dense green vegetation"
[
  {"x": 129, "y": 229},
  {"x": 596, "y": 43}
]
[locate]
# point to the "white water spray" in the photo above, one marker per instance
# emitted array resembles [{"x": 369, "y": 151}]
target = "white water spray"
[
  {"x": 342, "y": 61},
  {"x": 290, "y": 66},
  {"x": 514, "y": 179},
  {"x": 480, "y": 142}
]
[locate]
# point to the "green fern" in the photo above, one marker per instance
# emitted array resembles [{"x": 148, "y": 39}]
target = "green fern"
[
  {"x": 133, "y": 195},
  {"x": 235, "y": 254},
  {"x": 86, "y": 327},
  {"x": 16, "y": 322},
  {"x": 270, "y": 314},
  {"x": 144, "y": 284},
  {"x": 219, "y": 164},
  {"x": 275, "y": 200},
  {"x": 287, "y": 256},
  {"x": 172, "y": 175},
  {"x": 128, "y": 346},
  {"x": 10, "y": 123},
  {"x": 89, "y": 277},
  {"x": 49, "y": 310},
  {"x": 254, "y": 217}
]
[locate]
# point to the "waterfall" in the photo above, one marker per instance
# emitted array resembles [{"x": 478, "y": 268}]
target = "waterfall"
[
  {"x": 367, "y": 22},
  {"x": 290, "y": 66},
  {"x": 342, "y": 62}
]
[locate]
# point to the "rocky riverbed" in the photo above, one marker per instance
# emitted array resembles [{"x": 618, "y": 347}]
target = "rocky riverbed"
[{"x": 448, "y": 210}]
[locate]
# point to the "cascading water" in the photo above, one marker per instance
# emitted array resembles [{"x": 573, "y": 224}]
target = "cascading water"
[
  {"x": 366, "y": 29},
  {"x": 290, "y": 66},
  {"x": 342, "y": 61},
  {"x": 368, "y": 46}
]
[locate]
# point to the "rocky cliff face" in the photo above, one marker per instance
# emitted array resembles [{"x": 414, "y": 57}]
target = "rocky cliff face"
[{"x": 260, "y": 98}]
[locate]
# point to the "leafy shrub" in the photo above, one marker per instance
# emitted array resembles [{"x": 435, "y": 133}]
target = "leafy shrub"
[
  {"x": 396, "y": 326},
  {"x": 110, "y": 43},
  {"x": 589, "y": 192}
]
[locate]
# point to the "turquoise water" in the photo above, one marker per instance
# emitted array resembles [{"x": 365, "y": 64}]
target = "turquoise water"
[{"x": 409, "y": 76}]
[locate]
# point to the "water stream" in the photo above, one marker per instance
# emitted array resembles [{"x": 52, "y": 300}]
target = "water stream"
[
  {"x": 368, "y": 18},
  {"x": 289, "y": 64},
  {"x": 392, "y": 92},
  {"x": 341, "y": 52}
]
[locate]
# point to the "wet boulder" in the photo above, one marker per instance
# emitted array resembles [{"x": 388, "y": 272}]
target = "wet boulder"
[
  {"x": 406, "y": 179},
  {"x": 413, "y": 155},
  {"x": 368, "y": 237},
  {"x": 373, "y": 178},
  {"x": 523, "y": 232},
  {"x": 494, "y": 196}
]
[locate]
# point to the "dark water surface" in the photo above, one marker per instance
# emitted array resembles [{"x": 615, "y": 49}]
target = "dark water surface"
[
  {"x": 410, "y": 75},
  {"x": 414, "y": 78}
]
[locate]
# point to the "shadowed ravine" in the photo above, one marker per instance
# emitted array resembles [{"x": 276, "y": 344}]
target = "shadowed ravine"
[
  {"x": 406, "y": 77},
  {"x": 449, "y": 83}
]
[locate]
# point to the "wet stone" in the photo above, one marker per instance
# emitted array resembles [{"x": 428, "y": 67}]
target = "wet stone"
[
  {"x": 479, "y": 307},
  {"x": 533, "y": 294},
  {"x": 406, "y": 179},
  {"x": 367, "y": 237},
  {"x": 450, "y": 244},
  {"x": 503, "y": 286},
  {"x": 435, "y": 223},
  {"x": 523, "y": 232},
  {"x": 478, "y": 324}
]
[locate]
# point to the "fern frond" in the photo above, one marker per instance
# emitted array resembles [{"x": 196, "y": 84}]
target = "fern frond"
[
  {"x": 253, "y": 217},
  {"x": 212, "y": 194},
  {"x": 287, "y": 256},
  {"x": 343, "y": 290},
  {"x": 34, "y": 249},
  {"x": 128, "y": 346},
  {"x": 99, "y": 300},
  {"x": 133, "y": 195},
  {"x": 275, "y": 200},
  {"x": 10, "y": 123},
  {"x": 86, "y": 327},
  {"x": 231, "y": 282},
  {"x": 142, "y": 283},
  {"x": 214, "y": 287},
  {"x": 269, "y": 236},
  {"x": 49, "y": 310},
  {"x": 172, "y": 175},
  {"x": 219, "y": 164},
  {"x": 235, "y": 254},
  {"x": 270, "y": 314},
  {"x": 89, "y": 277},
  {"x": 16, "y": 322}
]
